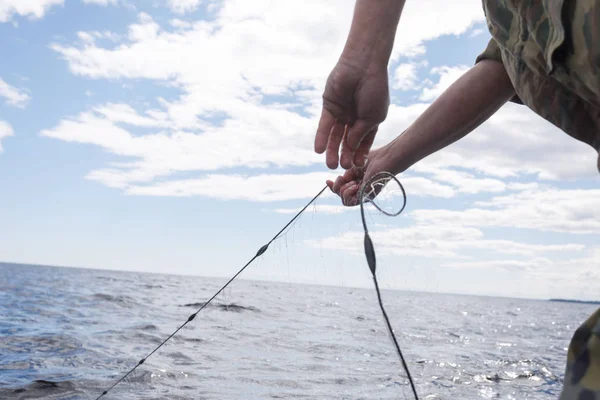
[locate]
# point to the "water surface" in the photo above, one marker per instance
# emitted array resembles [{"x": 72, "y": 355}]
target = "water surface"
[{"x": 70, "y": 333}]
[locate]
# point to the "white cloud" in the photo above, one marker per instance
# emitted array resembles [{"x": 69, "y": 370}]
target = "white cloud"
[
  {"x": 514, "y": 142},
  {"x": 30, "y": 8},
  {"x": 416, "y": 186},
  {"x": 428, "y": 19},
  {"x": 101, "y": 2},
  {"x": 261, "y": 188},
  {"x": 176, "y": 6},
  {"x": 265, "y": 187},
  {"x": 457, "y": 238},
  {"x": 125, "y": 114},
  {"x": 90, "y": 37},
  {"x": 448, "y": 75},
  {"x": 259, "y": 137},
  {"x": 252, "y": 51},
  {"x": 320, "y": 208},
  {"x": 419, "y": 186},
  {"x": 248, "y": 87},
  {"x": 405, "y": 76},
  {"x": 5, "y": 131},
  {"x": 441, "y": 241},
  {"x": 508, "y": 265},
  {"x": 577, "y": 275},
  {"x": 246, "y": 31},
  {"x": 145, "y": 30},
  {"x": 264, "y": 45},
  {"x": 544, "y": 209},
  {"x": 464, "y": 181},
  {"x": 477, "y": 32},
  {"x": 390, "y": 198},
  {"x": 14, "y": 96},
  {"x": 177, "y": 23},
  {"x": 184, "y": 6}
]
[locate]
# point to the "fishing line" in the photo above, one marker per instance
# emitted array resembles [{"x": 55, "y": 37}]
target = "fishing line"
[
  {"x": 260, "y": 252},
  {"x": 376, "y": 184}
]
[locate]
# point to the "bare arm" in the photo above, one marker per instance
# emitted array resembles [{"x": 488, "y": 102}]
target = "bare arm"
[
  {"x": 372, "y": 32},
  {"x": 465, "y": 105},
  {"x": 356, "y": 96}
]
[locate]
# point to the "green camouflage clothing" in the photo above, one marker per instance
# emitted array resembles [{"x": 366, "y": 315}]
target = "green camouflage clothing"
[
  {"x": 551, "y": 52},
  {"x": 582, "y": 377}
]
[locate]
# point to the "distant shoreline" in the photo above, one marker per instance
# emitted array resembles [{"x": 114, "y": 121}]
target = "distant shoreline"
[{"x": 575, "y": 301}]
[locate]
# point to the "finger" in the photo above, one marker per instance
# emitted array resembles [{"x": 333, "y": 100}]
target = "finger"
[
  {"x": 351, "y": 175},
  {"x": 343, "y": 190},
  {"x": 333, "y": 145},
  {"x": 339, "y": 182},
  {"x": 346, "y": 186},
  {"x": 351, "y": 199},
  {"x": 326, "y": 122},
  {"x": 349, "y": 194},
  {"x": 357, "y": 133},
  {"x": 346, "y": 153},
  {"x": 329, "y": 184},
  {"x": 360, "y": 157}
]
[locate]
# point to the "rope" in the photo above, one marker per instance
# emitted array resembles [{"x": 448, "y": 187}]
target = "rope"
[
  {"x": 376, "y": 183},
  {"x": 260, "y": 252}
]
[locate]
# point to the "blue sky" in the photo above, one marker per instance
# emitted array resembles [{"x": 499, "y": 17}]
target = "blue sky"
[{"x": 176, "y": 136}]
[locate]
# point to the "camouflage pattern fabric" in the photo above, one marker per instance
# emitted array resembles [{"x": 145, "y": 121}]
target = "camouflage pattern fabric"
[
  {"x": 582, "y": 376},
  {"x": 551, "y": 52}
]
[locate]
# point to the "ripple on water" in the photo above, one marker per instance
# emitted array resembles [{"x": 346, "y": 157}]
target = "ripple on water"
[
  {"x": 122, "y": 300},
  {"x": 223, "y": 307},
  {"x": 80, "y": 330}
]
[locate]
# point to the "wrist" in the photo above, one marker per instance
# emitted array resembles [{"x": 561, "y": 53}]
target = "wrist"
[
  {"x": 372, "y": 33},
  {"x": 367, "y": 57},
  {"x": 396, "y": 157}
]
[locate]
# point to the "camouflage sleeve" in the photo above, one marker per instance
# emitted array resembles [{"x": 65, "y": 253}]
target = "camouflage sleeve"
[
  {"x": 492, "y": 52},
  {"x": 582, "y": 375}
]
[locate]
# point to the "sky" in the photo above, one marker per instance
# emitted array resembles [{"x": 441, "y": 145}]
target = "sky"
[{"x": 176, "y": 136}]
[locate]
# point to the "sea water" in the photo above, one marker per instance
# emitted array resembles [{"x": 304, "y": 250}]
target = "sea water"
[{"x": 70, "y": 333}]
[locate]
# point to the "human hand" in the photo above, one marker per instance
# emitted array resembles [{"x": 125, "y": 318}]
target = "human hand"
[
  {"x": 355, "y": 101},
  {"x": 348, "y": 185}
]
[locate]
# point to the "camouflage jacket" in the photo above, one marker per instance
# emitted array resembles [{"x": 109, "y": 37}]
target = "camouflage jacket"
[
  {"x": 551, "y": 52},
  {"x": 582, "y": 376}
]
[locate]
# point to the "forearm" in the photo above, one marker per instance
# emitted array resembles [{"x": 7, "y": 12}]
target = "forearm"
[
  {"x": 465, "y": 105},
  {"x": 372, "y": 32}
]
